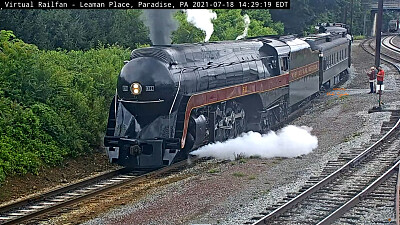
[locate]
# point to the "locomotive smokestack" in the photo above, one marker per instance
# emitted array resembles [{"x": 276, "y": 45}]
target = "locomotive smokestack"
[{"x": 161, "y": 24}]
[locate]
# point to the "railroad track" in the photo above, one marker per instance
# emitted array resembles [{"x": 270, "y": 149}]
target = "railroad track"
[
  {"x": 392, "y": 51},
  {"x": 360, "y": 174},
  {"x": 388, "y": 43},
  {"x": 391, "y": 60},
  {"x": 373, "y": 208},
  {"x": 55, "y": 200},
  {"x": 326, "y": 198}
]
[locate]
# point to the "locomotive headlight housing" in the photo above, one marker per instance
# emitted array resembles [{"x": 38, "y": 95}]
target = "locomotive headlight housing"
[{"x": 136, "y": 88}]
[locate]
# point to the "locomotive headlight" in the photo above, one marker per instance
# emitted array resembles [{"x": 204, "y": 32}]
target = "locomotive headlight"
[{"x": 136, "y": 88}]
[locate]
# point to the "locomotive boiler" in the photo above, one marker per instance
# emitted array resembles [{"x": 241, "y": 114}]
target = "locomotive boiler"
[{"x": 172, "y": 99}]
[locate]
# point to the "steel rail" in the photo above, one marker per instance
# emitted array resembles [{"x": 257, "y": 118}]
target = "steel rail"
[
  {"x": 383, "y": 59},
  {"x": 397, "y": 201},
  {"x": 392, "y": 46},
  {"x": 395, "y": 49},
  {"x": 301, "y": 197},
  {"x": 57, "y": 191},
  {"x": 384, "y": 54},
  {"x": 354, "y": 162},
  {"x": 360, "y": 196},
  {"x": 98, "y": 191}
]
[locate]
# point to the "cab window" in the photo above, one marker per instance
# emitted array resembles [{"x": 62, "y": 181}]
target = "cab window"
[{"x": 284, "y": 63}]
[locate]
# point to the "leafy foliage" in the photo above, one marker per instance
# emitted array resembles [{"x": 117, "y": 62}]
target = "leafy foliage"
[
  {"x": 76, "y": 29},
  {"x": 261, "y": 23},
  {"x": 53, "y": 104},
  {"x": 186, "y": 32},
  {"x": 230, "y": 24},
  {"x": 85, "y": 29},
  {"x": 305, "y": 13}
]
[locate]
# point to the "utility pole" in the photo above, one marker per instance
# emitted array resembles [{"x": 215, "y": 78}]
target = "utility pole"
[
  {"x": 378, "y": 42},
  {"x": 351, "y": 17},
  {"x": 365, "y": 23},
  {"x": 378, "y": 34}
]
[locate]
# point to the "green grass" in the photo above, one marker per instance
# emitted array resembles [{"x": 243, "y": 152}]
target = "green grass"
[
  {"x": 353, "y": 136},
  {"x": 358, "y": 37},
  {"x": 252, "y": 177},
  {"x": 265, "y": 192},
  {"x": 242, "y": 161},
  {"x": 237, "y": 174},
  {"x": 343, "y": 97},
  {"x": 213, "y": 170},
  {"x": 330, "y": 102}
]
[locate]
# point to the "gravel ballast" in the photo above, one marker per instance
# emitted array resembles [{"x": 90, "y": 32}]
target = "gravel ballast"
[{"x": 224, "y": 192}]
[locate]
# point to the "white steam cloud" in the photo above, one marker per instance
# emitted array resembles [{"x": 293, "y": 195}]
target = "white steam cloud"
[
  {"x": 246, "y": 19},
  {"x": 201, "y": 18},
  {"x": 290, "y": 141}
]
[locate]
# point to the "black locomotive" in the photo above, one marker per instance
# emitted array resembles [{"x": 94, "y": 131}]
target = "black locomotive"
[{"x": 173, "y": 99}]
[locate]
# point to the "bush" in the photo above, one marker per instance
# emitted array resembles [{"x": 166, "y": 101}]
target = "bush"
[
  {"x": 358, "y": 37},
  {"x": 53, "y": 104}
]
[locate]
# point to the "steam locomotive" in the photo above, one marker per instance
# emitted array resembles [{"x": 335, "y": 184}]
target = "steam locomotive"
[{"x": 172, "y": 99}]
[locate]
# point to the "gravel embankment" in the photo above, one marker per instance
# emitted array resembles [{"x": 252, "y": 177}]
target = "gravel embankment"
[
  {"x": 396, "y": 41},
  {"x": 232, "y": 192}
]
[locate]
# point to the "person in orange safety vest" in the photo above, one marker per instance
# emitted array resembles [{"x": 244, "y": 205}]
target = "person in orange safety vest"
[{"x": 379, "y": 78}]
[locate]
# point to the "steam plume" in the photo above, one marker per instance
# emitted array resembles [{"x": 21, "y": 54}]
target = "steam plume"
[
  {"x": 161, "y": 24},
  {"x": 201, "y": 18},
  {"x": 246, "y": 19},
  {"x": 290, "y": 141}
]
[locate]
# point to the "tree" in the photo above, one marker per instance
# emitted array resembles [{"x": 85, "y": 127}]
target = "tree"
[
  {"x": 53, "y": 104},
  {"x": 186, "y": 32},
  {"x": 228, "y": 25},
  {"x": 304, "y": 14},
  {"x": 128, "y": 29},
  {"x": 76, "y": 29},
  {"x": 263, "y": 18},
  {"x": 295, "y": 19},
  {"x": 261, "y": 23},
  {"x": 256, "y": 28}
]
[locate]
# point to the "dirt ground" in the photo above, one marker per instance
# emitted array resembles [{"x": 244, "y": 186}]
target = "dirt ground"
[{"x": 73, "y": 169}]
